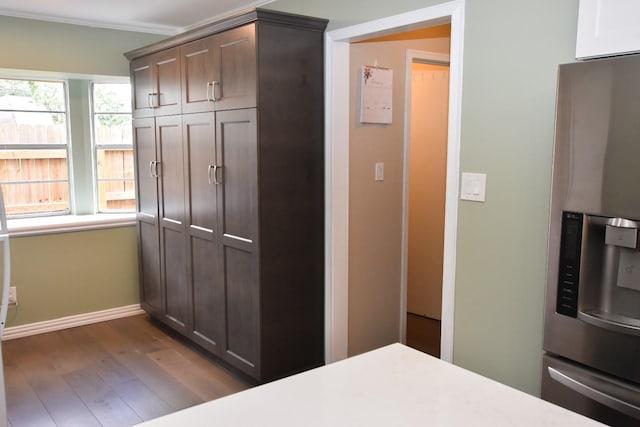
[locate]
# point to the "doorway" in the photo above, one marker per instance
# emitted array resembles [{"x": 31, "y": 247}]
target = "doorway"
[
  {"x": 337, "y": 83},
  {"x": 424, "y": 190}
]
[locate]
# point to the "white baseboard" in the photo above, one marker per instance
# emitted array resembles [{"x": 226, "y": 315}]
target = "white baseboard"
[{"x": 70, "y": 322}]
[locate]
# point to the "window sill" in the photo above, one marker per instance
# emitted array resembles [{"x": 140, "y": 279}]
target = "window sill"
[{"x": 67, "y": 223}]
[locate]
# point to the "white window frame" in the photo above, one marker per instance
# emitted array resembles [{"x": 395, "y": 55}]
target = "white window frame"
[
  {"x": 66, "y": 146},
  {"x": 79, "y": 149},
  {"x": 95, "y": 146}
]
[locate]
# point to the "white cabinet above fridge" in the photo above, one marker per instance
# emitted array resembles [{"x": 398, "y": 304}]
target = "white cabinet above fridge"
[{"x": 607, "y": 28}]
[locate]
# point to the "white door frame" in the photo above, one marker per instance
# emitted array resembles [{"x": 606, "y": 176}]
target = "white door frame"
[
  {"x": 410, "y": 57},
  {"x": 337, "y": 46}
]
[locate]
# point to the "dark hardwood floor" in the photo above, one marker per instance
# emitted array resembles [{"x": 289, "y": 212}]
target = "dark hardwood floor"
[
  {"x": 423, "y": 334},
  {"x": 115, "y": 373}
]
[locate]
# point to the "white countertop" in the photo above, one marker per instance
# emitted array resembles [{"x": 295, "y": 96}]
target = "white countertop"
[{"x": 391, "y": 386}]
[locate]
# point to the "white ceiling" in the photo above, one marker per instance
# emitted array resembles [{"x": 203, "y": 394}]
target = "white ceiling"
[{"x": 154, "y": 16}]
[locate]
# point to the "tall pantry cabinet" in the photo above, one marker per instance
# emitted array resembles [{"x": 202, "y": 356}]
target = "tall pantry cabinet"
[{"x": 228, "y": 140}]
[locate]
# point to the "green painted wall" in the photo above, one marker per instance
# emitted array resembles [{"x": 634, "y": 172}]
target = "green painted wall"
[
  {"x": 46, "y": 46},
  {"x": 58, "y": 275},
  {"x": 511, "y": 53}
]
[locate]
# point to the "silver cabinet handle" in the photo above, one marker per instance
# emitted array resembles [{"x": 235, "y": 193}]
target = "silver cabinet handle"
[
  {"x": 212, "y": 174},
  {"x": 210, "y": 92},
  {"x": 150, "y": 99},
  {"x": 213, "y": 85},
  {"x": 153, "y": 169},
  {"x": 590, "y": 391}
]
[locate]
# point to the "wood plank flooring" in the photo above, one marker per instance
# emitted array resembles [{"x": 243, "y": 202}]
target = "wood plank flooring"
[
  {"x": 116, "y": 373},
  {"x": 423, "y": 334}
]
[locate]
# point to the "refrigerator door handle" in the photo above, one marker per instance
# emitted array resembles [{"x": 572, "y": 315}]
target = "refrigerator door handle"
[{"x": 591, "y": 391}]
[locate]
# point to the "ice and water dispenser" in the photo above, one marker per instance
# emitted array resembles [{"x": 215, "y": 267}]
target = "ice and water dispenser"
[{"x": 599, "y": 275}]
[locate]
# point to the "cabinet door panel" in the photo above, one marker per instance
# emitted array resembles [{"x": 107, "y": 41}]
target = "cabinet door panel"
[
  {"x": 208, "y": 290},
  {"x": 607, "y": 28},
  {"x": 144, "y": 140},
  {"x": 142, "y": 86},
  {"x": 236, "y": 56},
  {"x": 198, "y": 65},
  {"x": 241, "y": 287},
  {"x": 199, "y": 138},
  {"x": 208, "y": 294},
  {"x": 175, "y": 278},
  {"x": 151, "y": 292},
  {"x": 171, "y": 168},
  {"x": 167, "y": 67},
  {"x": 237, "y": 152}
]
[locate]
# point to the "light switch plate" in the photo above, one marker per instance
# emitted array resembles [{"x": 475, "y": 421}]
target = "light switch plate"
[{"x": 473, "y": 186}]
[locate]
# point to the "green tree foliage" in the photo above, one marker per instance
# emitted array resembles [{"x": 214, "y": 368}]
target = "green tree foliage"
[
  {"x": 42, "y": 95},
  {"x": 112, "y": 102}
]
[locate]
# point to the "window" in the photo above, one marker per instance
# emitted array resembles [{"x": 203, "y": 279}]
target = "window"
[
  {"x": 113, "y": 147},
  {"x": 34, "y": 147}
]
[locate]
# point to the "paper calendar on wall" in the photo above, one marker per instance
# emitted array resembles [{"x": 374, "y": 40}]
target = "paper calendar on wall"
[{"x": 376, "y": 86}]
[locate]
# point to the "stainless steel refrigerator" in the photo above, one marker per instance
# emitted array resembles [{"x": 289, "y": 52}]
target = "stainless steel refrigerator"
[{"x": 592, "y": 309}]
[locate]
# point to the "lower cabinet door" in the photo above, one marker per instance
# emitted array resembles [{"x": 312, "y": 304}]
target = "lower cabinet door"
[
  {"x": 208, "y": 317},
  {"x": 172, "y": 221},
  {"x": 238, "y": 221},
  {"x": 149, "y": 259}
]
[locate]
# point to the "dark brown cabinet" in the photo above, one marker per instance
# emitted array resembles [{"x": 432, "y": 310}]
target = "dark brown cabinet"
[
  {"x": 156, "y": 84},
  {"x": 203, "y": 192},
  {"x": 239, "y": 245},
  {"x": 231, "y": 191},
  {"x": 144, "y": 137},
  {"x": 219, "y": 72}
]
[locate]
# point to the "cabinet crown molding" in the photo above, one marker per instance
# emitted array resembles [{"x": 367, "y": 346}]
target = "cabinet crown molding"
[{"x": 255, "y": 15}]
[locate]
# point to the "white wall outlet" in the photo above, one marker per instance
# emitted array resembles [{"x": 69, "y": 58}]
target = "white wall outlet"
[
  {"x": 379, "y": 174},
  {"x": 13, "y": 296}
]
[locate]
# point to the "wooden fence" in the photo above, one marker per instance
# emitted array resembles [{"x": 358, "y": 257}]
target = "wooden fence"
[{"x": 21, "y": 167}]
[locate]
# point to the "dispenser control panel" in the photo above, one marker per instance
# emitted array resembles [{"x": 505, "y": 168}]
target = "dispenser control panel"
[{"x": 569, "y": 271}]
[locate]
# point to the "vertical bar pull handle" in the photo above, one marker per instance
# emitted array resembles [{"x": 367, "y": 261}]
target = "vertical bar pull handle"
[
  {"x": 150, "y": 100},
  {"x": 153, "y": 169},
  {"x": 210, "y": 94},
  {"x": 213, "y": 174},
  {"x": 213, "y": 91}
]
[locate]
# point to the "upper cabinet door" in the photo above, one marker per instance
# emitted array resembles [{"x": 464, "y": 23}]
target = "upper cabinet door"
[
  {"x": 608, "y": 28},
  {"x": 219, "y": 72},
  {"x": 198, "y": 75},
  {"x": 156, "y": 79},
  {"x": 236, "y": 53},
  {"x": 167, "y": 97},
  {"x": 142, "y": 82}
]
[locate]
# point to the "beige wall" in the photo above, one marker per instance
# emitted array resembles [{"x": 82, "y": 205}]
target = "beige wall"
[
  {"x": 375, "y": 208},
  {"x": 427, "y": 184}
]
